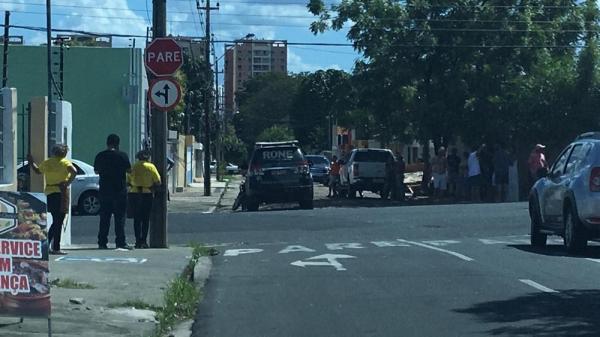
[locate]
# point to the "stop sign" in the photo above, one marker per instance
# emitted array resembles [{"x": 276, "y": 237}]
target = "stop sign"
[{"x": 163, "y": 57}]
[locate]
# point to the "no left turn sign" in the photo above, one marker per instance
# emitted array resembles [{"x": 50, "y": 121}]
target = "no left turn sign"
[{"x": 164, "y": 93}]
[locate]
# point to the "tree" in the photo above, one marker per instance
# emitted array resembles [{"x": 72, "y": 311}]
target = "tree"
[
  {"x": 275, "y": 133},
  {"x": 322, "y": 98},
  {"x": 266, "y": 101}
]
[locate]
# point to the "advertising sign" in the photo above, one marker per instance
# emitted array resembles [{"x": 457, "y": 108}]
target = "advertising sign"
[{"x": 24, "y": 285}]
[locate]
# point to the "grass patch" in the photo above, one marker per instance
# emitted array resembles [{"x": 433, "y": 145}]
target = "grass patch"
[
  {"x": 137, "y": 304},
  {"x": 181, "y": 296},
  {"x": 68, "y": 283}
]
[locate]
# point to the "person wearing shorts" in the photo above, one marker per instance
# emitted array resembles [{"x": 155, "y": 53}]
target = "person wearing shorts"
[
  {"x": 439, "y": 171},
  {"x": 334, "y": 177}
]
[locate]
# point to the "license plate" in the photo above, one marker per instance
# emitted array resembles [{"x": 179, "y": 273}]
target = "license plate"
[{"x": 278, "y": 172}]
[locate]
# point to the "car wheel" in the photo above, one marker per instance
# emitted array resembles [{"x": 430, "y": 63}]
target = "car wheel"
[
  {"x": 89, "y": 203},
  {"x": 538, "y": 239},
  {"x": 252, "y": 204},
  {"x": 574, "y": 237},
  {"x": 306, "y": 204}
]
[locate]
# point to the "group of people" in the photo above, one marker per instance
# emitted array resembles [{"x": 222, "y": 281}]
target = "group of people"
[
  {"x": 123, "y": 189},
  {"x": 480, "y": 175}
]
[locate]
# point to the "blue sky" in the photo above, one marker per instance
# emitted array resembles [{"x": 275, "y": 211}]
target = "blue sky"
[{"x": 269, "y": 19}]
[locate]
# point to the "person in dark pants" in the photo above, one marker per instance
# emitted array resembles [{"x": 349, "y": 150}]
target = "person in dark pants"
[
  {"x": 112, "y": 165},
  {"x": 143, "y": 179},
  {"x": 59, "y": 173}
]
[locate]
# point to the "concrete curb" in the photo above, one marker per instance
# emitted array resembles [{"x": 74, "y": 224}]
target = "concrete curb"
[
  {"x": 200, "y": 275},
  {"x": 218, "y": 205}
]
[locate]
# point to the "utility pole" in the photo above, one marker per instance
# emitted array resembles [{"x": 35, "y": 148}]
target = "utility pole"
[
  {"x": 207, "y": 97},
  {"x": 158, "y": 225},
  {"x": 218, "y": 119},
  {"x": 5, "y": 59},
  {"x": 51, "y": 113}
]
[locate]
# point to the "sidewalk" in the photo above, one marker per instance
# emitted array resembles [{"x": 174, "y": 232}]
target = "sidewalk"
[
  {"x": 120, "y": 279},
  {"x": 192, "y": 199}
]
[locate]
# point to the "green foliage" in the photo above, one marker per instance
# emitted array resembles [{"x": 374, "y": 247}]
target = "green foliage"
[
  {"x": 181, "y": 300},
  {"x": 275, "y": 133},
  {"x": 506, "y": 71}
]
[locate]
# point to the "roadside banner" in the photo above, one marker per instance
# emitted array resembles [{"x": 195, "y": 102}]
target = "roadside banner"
[{"x": 24, "y": 285}]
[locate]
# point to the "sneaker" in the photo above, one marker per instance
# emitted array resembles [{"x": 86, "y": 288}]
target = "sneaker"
[
  {"x": 57, "y": 252},
  {"x": 102, "y": 247},
  {"x": 125, "y": 246}
]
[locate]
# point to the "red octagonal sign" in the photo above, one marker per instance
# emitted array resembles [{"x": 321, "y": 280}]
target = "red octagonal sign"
[{"x": 163, "y": 57}]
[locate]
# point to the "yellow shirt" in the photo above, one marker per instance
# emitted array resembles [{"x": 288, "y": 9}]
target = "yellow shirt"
[
  {"x": 56, "y": 171},
  {"x": 145, "y": 175}
]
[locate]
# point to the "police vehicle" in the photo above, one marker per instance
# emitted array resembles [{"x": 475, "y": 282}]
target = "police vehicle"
[{"x": 278, "y": 172}]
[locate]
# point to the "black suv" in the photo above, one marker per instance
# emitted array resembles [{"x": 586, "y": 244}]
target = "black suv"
[{"x": 278, "y": 172}]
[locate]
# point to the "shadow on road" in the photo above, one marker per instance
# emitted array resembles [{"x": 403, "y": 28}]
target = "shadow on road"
[
  {"x": 559, "y": 250},
  {"x": 569, "y": 313}
]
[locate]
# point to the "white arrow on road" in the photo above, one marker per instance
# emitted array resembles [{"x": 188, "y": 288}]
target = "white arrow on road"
[{"x": 331, "y": 261}]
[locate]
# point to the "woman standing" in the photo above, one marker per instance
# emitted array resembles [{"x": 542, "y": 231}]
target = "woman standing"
[
  {"x": 59, "y": 173},
  {"x": 143, "y": 179}
]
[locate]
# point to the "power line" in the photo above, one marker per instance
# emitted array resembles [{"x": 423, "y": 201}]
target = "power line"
[{"x": 323, "y": 44}]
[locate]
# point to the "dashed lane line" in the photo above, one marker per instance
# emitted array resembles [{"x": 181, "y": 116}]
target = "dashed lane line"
[
  {"x": 538, "y": 286},
  {"x": 449, "y": 252}
]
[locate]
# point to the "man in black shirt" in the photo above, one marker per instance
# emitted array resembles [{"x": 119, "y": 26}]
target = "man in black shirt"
[{"x": 112, "y": 165}]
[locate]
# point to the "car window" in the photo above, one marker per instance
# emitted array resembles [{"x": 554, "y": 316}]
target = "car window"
[
  {"x": 317, "y": 160},
  {"x": 273, "y": 157},
  {"x": 80, "y": 172},
  {"x": 559, "y": 164},
  {"x": 371, "y": 156},
  {"x": 577, "y": 156}
]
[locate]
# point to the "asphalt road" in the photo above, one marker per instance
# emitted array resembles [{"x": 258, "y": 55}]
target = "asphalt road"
[{"x": 462, "y": 270}]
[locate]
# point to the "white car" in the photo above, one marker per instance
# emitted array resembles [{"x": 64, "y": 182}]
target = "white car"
[
  {"x": 84, "y": 191},
  {"x": 230, "y": 168},
  {"x": 364, "y": 170}
]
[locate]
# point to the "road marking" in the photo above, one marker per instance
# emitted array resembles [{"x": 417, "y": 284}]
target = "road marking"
[
  {"x": 441, "y": 243},
  {"x": 460, "y": 256},
  {"x": 538, "y": 286},
  {"x": 237, "y": 252},
  {"x": 210, "y": 210},
  {"x": 382, "y": 244},
  {"x": 340, "y": 246},
  {"x": 331, "y": 261},
  {"x": 494, "y": 242},
  {"x": 293, "y": 249},
  {"x": 123, "y": 260}
]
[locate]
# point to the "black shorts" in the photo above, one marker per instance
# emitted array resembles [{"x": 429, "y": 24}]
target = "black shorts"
[{"x": 54, "y": 203}]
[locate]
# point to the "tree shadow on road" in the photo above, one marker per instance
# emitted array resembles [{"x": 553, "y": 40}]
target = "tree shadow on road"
[
  {"x": 559, "y": 250},
  {"x": 568, "y": 313}
]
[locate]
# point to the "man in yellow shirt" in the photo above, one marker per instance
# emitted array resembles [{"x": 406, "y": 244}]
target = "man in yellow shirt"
[
  {"x": 59, "y": 173},
  {"x": 143, "y": 179}
]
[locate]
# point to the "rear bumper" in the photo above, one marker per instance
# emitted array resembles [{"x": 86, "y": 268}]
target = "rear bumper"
[{"x": 280, "y": 193}]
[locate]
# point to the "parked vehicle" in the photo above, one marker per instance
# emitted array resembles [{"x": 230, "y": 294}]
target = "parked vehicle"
[
  {"x": 278, "y": 172},
  {"x": 230, "y": 168},
  {"x": 319, "y": 168},
  {"x": 364, "y": 170},
  {"x": 84, "y": 191},
  {"x": 565, "y": 201}
]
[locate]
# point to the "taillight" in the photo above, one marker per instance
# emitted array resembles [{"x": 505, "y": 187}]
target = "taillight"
[
  {"x": 303, "y": 169},
  {"x": 595, "y": 180},
  {"x": 355, "y": 169},
  {"x": 255, "y": 170}
]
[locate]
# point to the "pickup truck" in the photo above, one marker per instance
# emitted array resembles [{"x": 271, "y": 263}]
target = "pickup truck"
[{"x": 364, "y": 170}]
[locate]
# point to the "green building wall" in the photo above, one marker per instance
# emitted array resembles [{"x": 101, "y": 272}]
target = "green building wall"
[{"x": 96, "y": 81}]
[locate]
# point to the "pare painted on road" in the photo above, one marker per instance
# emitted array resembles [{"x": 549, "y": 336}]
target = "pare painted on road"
[{"x": 333, "y": 260}]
